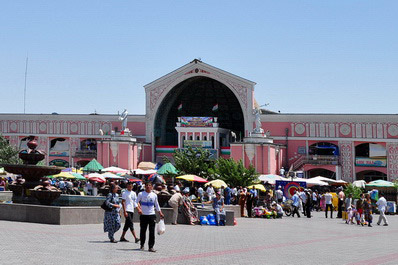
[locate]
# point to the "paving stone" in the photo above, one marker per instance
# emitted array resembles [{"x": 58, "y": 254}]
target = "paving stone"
[{"x": 252, "y": 241}]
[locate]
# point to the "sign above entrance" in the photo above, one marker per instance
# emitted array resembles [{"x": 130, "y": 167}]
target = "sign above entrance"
[
  {"x": 198, "y": 144},
  {"x": 196, "y": 121},
  {"x": 370, "y": 162}
]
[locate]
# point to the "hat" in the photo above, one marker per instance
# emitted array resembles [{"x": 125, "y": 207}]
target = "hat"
[{"x": 186, "y": 190}]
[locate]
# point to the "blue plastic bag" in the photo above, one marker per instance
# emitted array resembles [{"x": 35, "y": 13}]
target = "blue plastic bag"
[
  {"x": 210, "y": 216},
  {"x": 212, "y": 222},
  {"x": 204, "y": 221}
]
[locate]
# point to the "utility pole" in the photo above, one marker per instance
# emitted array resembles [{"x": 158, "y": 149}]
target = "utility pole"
[{"x": 24, "y": 91}]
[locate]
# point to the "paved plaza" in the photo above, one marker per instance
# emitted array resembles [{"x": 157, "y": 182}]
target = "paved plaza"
[{"x": 252, "y": 241}]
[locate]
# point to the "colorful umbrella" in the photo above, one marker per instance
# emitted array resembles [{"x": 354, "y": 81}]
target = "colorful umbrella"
[
  {"x": 63, "y": 175},
  {"x": 217, "y": 183},
  {"x": 96, "y": 177},
  {"x": 72, "y": 170},
  {"x": 167, "y": 168},
  {"x": 192, "y": 178},
  {"x": 155, "y": 178}
]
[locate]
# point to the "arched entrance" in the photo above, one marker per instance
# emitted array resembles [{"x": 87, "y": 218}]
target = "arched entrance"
[
  {"x": 197, "y": 96},
  {"x": 370, "y": 175},
  {"x": 321, "y": 172}
]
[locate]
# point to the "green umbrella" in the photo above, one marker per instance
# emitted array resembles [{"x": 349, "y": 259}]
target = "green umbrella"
[
  {"x": 78, "y": 176},
  {"x": 380, "y": 183},
  {"x": 93, "y": 165},
  {"x": 166, "y": 169}
]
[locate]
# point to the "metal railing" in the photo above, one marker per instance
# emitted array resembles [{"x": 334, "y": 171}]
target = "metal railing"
[
  {"x": 85, "y": 153},
  {"x": 321, "y": 160}
]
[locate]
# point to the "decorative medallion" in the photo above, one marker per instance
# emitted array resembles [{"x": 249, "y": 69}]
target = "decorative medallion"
[
  {"x": 105, "y": 128},
  {"x": 345, "y": 129},
  {"x": 393, "y": 130},
  {"x": 13, "y": 126},
  {"x": 300, "y": 128},
  {"x": 73, "y": 127}
]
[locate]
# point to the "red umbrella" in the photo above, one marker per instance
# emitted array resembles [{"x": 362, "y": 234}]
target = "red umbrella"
[{"x": 132, "y": 179}]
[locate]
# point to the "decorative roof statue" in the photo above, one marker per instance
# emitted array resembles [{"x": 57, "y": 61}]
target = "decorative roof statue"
[
  {"x": 257, "y": 114},
  {"x": 123, "y": 118}
]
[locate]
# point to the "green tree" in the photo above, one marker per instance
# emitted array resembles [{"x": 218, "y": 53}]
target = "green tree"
[
  {"x": 195, "y": 161},
  {"x": 354, "y": 190},
  {"x": 8, "y": 154},
  {"x": 234, "y": 172}
]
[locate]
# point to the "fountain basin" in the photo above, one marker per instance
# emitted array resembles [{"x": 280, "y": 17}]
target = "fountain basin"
[
  {"x": 32, "y": 172},
  {"x": 45, "y": 197}
]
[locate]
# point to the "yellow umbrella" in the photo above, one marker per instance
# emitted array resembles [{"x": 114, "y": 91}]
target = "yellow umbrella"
[
  {"x": 64, "y": 175},
  {"x": 258, "y": 187},
  {"x": 217, "y": 183}
]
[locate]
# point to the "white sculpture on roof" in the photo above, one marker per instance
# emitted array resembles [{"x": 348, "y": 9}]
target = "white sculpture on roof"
[
  {"x": 257, "y": 115},
  {"x": 123, "y": 118}
]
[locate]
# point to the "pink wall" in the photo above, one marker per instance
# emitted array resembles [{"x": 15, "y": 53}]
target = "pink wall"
[
  {"x": 273, "y": 160},
  {"x": 136, "y": 128},
  {"x": 236, "y": 152}
]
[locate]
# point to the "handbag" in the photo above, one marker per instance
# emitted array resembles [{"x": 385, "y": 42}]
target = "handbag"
[{"x": 106, "y": 207}]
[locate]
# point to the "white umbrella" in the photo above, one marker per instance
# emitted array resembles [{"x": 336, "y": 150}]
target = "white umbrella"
[
  {"x": 328, "y": 180},
  {"x": 115, "y": 170},
  {"x": 140, "y": 171},
  {"x": 109, "y": 175},
  {"x": 271, "y": 179},
  {"x": 359, "y": 183},
  {"x": 314, "y": 182}
]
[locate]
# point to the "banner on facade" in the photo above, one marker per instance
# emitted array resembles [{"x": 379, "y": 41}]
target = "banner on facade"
[
  {"x": 59, "y": 163},
  {"x": 59, "y": 153},
  {"x": 196, "y": 121},
  {"x": 377, "y": 150},
  {"x": 290, "y": 187},
  {"x": 370, "y": 162},
  {"x": 198, "y": 144}
]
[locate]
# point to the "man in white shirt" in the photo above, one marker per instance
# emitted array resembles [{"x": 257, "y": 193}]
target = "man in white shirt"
[
  {"x": 210, "y": 192},
  {"x": 147, "y": 203},
  {"x": 382, "y": 205},
  {"x": 279, "y": 194},
  {"x": 129, "y": 202},
  {"x": 329, "y": 205},
  {"x": 200, "y": 193}
]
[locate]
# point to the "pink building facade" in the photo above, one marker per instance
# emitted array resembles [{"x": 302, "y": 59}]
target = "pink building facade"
[{"x": 201, "y": 105}]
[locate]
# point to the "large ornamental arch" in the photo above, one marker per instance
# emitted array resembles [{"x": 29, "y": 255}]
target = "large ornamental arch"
[{"x": 163, "y": 94}]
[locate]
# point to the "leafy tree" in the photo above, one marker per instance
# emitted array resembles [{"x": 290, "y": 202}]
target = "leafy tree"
[
  {"x": 195, "y": 161},
  {"x": 354, "y": 190},
  {"x": 8, "y": 154},
  {"x": 234, "y": 172}
]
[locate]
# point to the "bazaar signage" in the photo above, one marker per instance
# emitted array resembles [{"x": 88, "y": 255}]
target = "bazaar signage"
[
  {"x": 196, "y": 121},
  {"x": 370, "y": 162},
  {"x": 198, "y": 144}
]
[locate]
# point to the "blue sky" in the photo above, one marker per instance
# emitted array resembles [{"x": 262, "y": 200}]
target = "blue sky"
[{"x": 305, "y": 56}]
